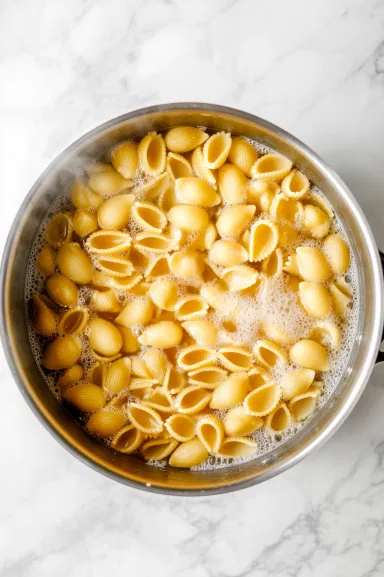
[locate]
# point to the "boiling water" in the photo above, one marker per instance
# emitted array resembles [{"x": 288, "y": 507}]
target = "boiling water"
[{"x": 277, "y": 305}]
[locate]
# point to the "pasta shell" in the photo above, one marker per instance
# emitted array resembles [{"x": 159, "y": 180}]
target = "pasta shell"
[
  {"x": 316, "y": 220},
  {"x": 146, "y": 419},
  {"x": 197, "y": 192},
  {"x": 140, "y": 387},
  {"x": 174, "y": 381},
  {"x": 200, "y": 169},
  {"x": 312, "y": 264},
  {"x": 326, "y": 333},
  {"x": 237, "y": 447},
  {"x": 269, "y": 353},
  {"x": 136, "y": 312},
  {"x": 158, "y": 266},
  {"x": 188, "y": 454},
  {"x": 195, "y": 356},
  {"x": 271, "y": 167},
  {"x": 205, "y": 238},
  {"x": 216, "y": 149},
  {"x": 310, "y": 355},
  {"x": 188, "y": 265},
  {"x": 177, "y": 166},
  {"x": 207, "y": 377},
  {"x": 105, "y": 358},
  {"x": 202, "y": 331},
  {"x": 104, "y": 337},
  {"x": 188, "y": 218},
  {"x": 127, "y": 440},
  {"x": 62, "y": 353},
  {"x": 86, "y": 398},
  {"x": 272, "y": 266},
  {"x": 70, "y": 377},
  {"x": 108, "y": 183},
  {"x": 262, "y": 193},
  {"x": 153, "y": 242},
  {"x": 192, "y": 400},
  {"x": 125, "y": 159},
  {"x": 149, "y": 217},
  {"x": 315, "y": 299},
  {"x": 238, "y": 423},
  {"x": 243, "y": 155},
  {"x": 257, "y": 377},
  {"x": 119, "y": 402},
  {"x": 59, "y": 230},
  {"x": 158, "y": 449},
  {"x": 115, "y": 266},
  {"x": 62, "y": 290},
  {"x": 106, "y": 301},
  {"x": 154, "y": 189},
  {"x": 180, "y": 427},
  {"x": 228, "y": 253},
  {"x": 46, "y": 261},
  {"x": 115, "y": 212},
  {"x": 139, "y": 368},
  {"x": 164, "y": 335},
  {"x": 184, "y": 138},
  {"x": 337, "y": 252},
  {"x": 216, "y": 296},
  {"x": 108, "y": 242},
  {"x": 263, "y": 240},
  {"x": 232, "y": 184},
  {"x": 291, "y": 265},
  {"x": 190, "y": 307},
  {"x": 287, "y": 234},
  {"x": 43, "y": 320},
  {"x": 235, "y": 358},
  {"x": 296, "y": 382},
  {"x": 74, "y": 263},
  {"x": 156, "y": 363},
  {"x": 341, "y": 296},
  {"x": 164, "y": 294},
  {"x": 262, "y": 400},
  {"x": 130, "y": 344},
  {"x": 210, "y": 431},
  {"x": 96, "y": 374},
  {"x": 240, "y": 277},
  {"x": 152, "y": 154},
  {"x": 231, "y": 392},
  {"x": 118, "y": 375},
  {"x": 303, "y": 405},
  {"x": 235, "y": 219},
  {"x": 159, "y": 399},
  {"x": 276, "y": 334},
  {"x": 105, "y": 423},
  {"x": 74, "y": 321},
  {"x": 286, "y": 209},
  {"x": 97, "y": 167},
  {"x": 279, "y": 419},
  {"x": 295, "y": 184},
  {"x": 84, "y": 222},
  {"x": 84, "y": 197}
]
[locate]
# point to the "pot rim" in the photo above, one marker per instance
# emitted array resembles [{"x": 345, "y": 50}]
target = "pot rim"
[{"x": 360, "y": 381}]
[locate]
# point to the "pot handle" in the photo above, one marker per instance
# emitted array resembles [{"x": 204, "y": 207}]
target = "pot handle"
[{"x": 380, "y": 354}]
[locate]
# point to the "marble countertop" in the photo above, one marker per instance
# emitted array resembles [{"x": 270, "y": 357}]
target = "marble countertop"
[{"x": 317, "y": 70}]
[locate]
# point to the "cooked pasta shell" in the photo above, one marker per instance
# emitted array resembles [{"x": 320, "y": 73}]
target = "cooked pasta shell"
[
  {"x": 216, "y": 149},
  {"x": 326, "y": 333},
  {"x": 154, "y": 242},
  {"x": 257, "y": 377},
  {"x": 272, "y": 266},
  {"x": 164, "y": 335},
  {"x": 192, "y": 400},
  {"x": 177, "y": 166},
  {"x": 188, "y": 218},
  {"x": 174, "y": 380},
  {"x": 240, "y": 277},
  {"x": 74, "y": 321},
  {"x": 271, "y": 167},
  {"x": 146, "y": 419},
  {"x": 119, "y": 402},
  {"x": 184, "y": 138},
  {"x": 210, "y": 431},
  {"x": 46, "y": 261},
  {"x": 155, "y": 189},
  {"x": 158, "y": 449},
  {"x": 84, "y": 197},
  {"x": 262, "y": 400},
  {"x": 188, "y": 454},
  {"x": 59, "y": 230},
  {"x": 164, "y": 294},
  {"x": 262, "y": 193},
  {"x": 288, "y": 234},
  {"x": 136, "y": 312},
  {"x": 235, "y": 219},
  {"x": 263, "y": 240},
  {"x": 140, "y": 387},
  {"x": 275, "y": 333},
  {"x": 115, "y": 212},
  {"x": 62, "y": 290},
  {"x": 243, "y": 155},
  {"x": 215, "y": 294},
  {"x": 195, "y": 191},
  {"x": 84, "y": 222},
  {"x": 238, "y": 423},
  {"x": 190, "y": 307},
  {"x": 291, "y": 265},
  {"x": 139, "y": 368},
  {"x": 205, "y": 238},
  {"x": 200, "y": 169},
  {"x": 235, "y": 358},
  {"x": 228, "y": 253},
  {"x": 125, "y": 283},
  {"x": 74, "y": 263},
  {"x": 104, "y": 337},
  {"x": 96, "y": 374},
  {"x": 295, "y": 184},
  {"x": 159, "y": 399},
  {"x": 202, "y": 331},
  {"x": 312, "y": 264},
  {"x": 279, "y": 419},
  {"x": 231, "y": 392},
  {"x": 125, "y": 159},
  {"x": 105, "y": 423},
  {"x": 130, "y": 344},
  {"x": 157, "y": 267},
  {"x": 43, "y": 320},
  {"x": 114, "y": 265},
  {"x": 269, "y": 353},
  {"x": 106, "y": 301},
  {"x": 70, "y": 377},
  {"x": 237, "y": 447},
  {"x": 232, "y": 184},
  {"x": 152, "y": 154},
  {"x": 286, "y": 209},
  {"x": 105, "y": 358},
  {"x": 316, "y": 220},
  {"x": 315, "y": 299},
  {"x": 337, "y": 252},
  {"x": 156, "y": 363},
  {"x": 309, "y": 355},
  {"x": 303, "y": 405},
  {"x": 341, "y": 296},
  {"x": 108, "y": 183},
  {"x": 108, "y": 242},
  {"x": 149, "y": 217},
  {"x": 180, "y": 427},
  {"x": 97, "y": 167},
  {"x": 127, "y": 440},
  {"x": 207, "y": 377},
  {"x": 296, "y": 382},
  {"x": 86, "y": 397},
  {"x": 118, "y": 375},
  {"x": 188, "y": 265},
  {"x": 62, "y": 353},
  {"x": 195, "y": 356}
]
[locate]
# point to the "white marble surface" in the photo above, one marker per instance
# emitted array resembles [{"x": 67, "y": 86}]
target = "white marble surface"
[{"x": 315, "y": 68}]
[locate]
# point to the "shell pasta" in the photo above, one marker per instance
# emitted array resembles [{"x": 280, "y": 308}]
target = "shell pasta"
[{"x": 192, "y": 298}]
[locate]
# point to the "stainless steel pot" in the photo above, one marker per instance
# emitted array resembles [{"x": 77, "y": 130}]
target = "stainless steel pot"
[{"x": 14, "y": 334}]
